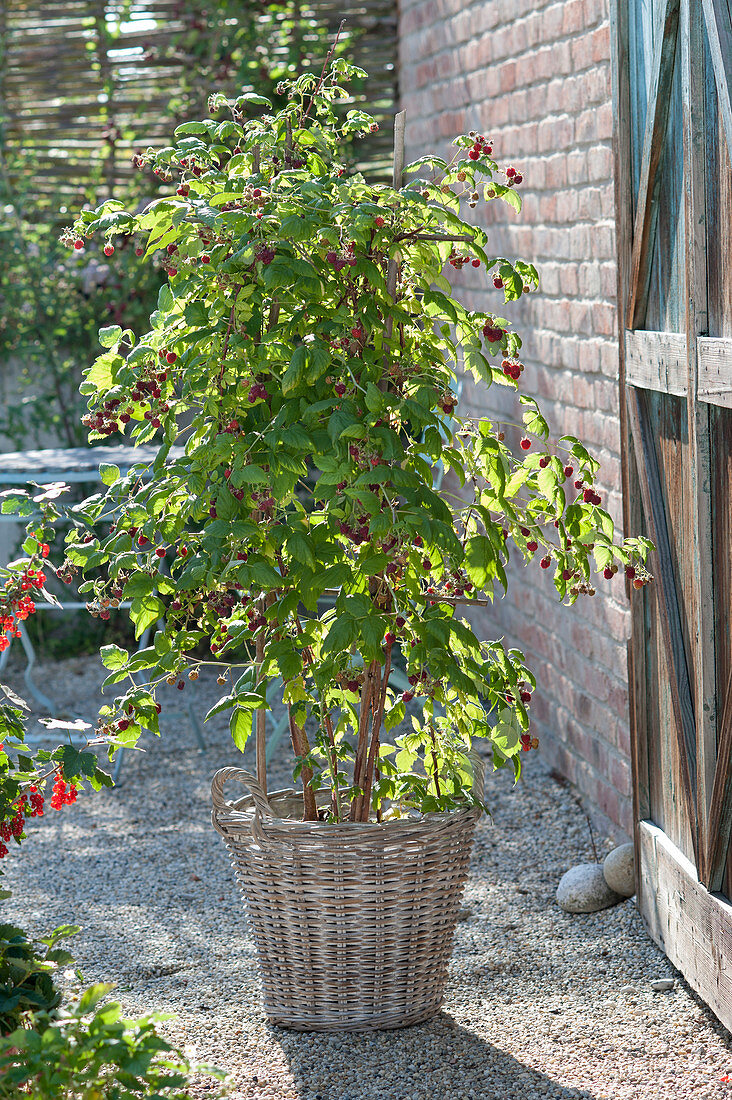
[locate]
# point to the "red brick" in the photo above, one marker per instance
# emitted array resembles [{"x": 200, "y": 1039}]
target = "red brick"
[{"x": 537, "y": 77}]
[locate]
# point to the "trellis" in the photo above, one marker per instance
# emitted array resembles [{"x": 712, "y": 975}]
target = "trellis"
[{"x": 77, "y": 100}]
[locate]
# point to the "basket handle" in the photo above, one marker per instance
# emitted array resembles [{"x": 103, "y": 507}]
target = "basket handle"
[{"x": 221, "y": 805}]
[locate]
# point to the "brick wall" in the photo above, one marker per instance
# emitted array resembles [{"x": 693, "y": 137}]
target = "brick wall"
[{"x": 535, "y": 76}]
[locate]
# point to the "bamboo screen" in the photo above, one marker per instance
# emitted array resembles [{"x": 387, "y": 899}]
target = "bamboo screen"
[{"x": 83, "y": 83}]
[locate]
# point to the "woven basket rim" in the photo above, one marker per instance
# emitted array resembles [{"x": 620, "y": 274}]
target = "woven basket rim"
[{"x": 243, "y": 810}]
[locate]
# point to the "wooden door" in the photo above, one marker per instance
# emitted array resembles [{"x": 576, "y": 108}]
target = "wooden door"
[{"x": 673, "y": 117}]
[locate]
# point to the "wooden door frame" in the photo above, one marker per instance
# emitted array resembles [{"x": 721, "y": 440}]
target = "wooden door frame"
[{"x": 679, "y": 901}]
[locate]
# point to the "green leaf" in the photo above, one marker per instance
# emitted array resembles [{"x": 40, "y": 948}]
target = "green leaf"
[
  {"x": 110, "y": 336},
  {"x": 241, "y": 726},
  {"x": 109, "y": 473},
  {"x": 113, "y": 657},
  {"x": 91, "y": 997},
  {"x": 139, "y": 585},
  {"x": 295, "y": 373},
  {"x": 145, "y": 611},
  {"x": 342, "y": 634},
  {"x": 480, "y": 560}
]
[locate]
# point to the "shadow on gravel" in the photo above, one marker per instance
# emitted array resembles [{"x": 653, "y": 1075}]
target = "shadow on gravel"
[{"x": 434, "y": 1061}]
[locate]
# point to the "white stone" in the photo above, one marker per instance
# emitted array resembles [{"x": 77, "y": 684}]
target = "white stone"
[
  {"x": 583, "y": 890},
  {"x": 619, "y": 870},
  {"x": 662, "y": 985}
]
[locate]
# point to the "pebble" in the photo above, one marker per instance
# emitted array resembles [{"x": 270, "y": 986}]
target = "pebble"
[
  {"x": 619, "y": 870},
  {"x": 582, "y": 889},
  {"x": 662, "y": 985},
  {"x": 530, "y": 1007}
]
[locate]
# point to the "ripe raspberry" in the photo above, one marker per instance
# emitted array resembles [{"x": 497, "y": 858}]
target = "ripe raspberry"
[
  {"x": 78, "y": 243},
  {"x": 170, "y": 357},
  {"x": 545, "y": 562},
  {"x": 379, "y": 222},
  {"x": 525, "y": 444},
  {"x": 532, "y": 546},
  {"x": 544, "y": 462},
  {"x": 139, "y": 251},
  {"x": 630, "y": 571},
  {"x": 568, "y": 471},
  {"x": 498, "y": 282},
  {"x": 109, "y": 249},
  {"x": 474, "y": 154}
]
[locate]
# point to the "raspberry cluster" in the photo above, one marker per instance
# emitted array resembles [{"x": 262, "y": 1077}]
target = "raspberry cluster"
[
  {"x": 16, "y": 607},
  {"x": 345, "y": 258},
  {"x": 493, "y": 333},
  {"x": 147, "y": 389},
  {"x": 512, "y": 368},
  {"x": 64, "y": 794},
  {"x": 29, "y": 805},
  {"x": 481, "y": 146}
]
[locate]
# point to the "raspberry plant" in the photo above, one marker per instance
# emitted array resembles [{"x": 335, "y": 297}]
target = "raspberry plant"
[{"x": 303, "y": 359}]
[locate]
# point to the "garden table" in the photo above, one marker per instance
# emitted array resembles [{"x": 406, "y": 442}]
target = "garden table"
[{"x": 72, "y": 465}]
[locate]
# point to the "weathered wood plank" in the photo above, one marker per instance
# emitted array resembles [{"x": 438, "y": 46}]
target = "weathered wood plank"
[
  {"x": 623, "y": 183},
  {"x": 668, "y": 605},
  {"x": 714, "y": 383},
  {"x": 693, "y": 926},
  {"x": 719, "y": 32},
  {"x": 720, "y": 810},
  {"x": 700, "y": 595},
  {"x": 656, "y": 361},
  {"x": 656, "y": 119}
]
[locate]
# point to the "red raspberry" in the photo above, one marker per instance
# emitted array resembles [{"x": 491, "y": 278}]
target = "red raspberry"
[
  {"x": 545, "y": 562},
  {"x": 109, "y": 249},
  {"x": 170, "y": 357},
  {"x": 630, "y": 571},
  {"x": 525, "y": 444},
  {"x": 608, "y": 574},
  {"x": 498, "y": 282},
  {"x": 379, "y": 221},
  {"x": 139, "y": 251},
  {"x": 474, "y": 154},
  {"x": 78, "y": 243}
]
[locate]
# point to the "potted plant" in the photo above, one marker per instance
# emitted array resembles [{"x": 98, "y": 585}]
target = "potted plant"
[{"x": 303, "y": 360}]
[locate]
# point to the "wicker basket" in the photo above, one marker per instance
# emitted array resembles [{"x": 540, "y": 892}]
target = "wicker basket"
[{"x": 353, "y": 922}]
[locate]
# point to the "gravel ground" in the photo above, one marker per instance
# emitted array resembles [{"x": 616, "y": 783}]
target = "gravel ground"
[{"x": 537, "y": 1003}]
